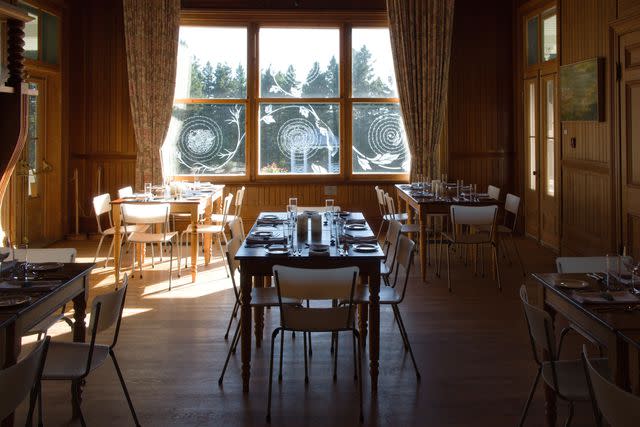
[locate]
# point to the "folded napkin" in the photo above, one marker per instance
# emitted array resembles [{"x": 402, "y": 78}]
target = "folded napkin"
[
  {"x": 356, "y": 221},
  {"x": 269, "y": 221},
  {"x": 350, "y": 238},
  {"x": 255, "y": 240},
  {"x": 622, "y": 297}
]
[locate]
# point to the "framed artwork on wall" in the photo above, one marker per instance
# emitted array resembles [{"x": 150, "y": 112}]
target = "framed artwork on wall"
[{"x": 582, "y": 91}]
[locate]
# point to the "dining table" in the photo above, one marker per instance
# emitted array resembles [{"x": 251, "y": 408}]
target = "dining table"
[
  {"x": 195, "y": 203},
  {"x": 610, "y": 317},
  {"x": 38, "y": 297},
  {"x": 256, "y": 265},
  {"x": 424, "y": 204}
]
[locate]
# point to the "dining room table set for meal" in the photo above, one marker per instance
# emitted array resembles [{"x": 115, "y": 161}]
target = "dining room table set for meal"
[
  {"x": 445, "y": 191},
  {"x": 22, "y": 282}
]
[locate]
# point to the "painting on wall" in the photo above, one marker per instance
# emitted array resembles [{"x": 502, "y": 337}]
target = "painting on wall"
[{"x": 581, "y": 91}]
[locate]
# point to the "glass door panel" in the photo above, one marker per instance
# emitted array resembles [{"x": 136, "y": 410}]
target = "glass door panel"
[{"x": 531, "y": 149}]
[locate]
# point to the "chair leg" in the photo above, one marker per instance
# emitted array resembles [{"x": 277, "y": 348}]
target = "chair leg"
[
  {"x": 528, "y": 402},
  {"x": 567, "y": 423},
  {"x": 124, "y": 387},
  {"x": 413, "y": 359},
  {"x": 106, "y": 260},
  {"x": 231, "y": 348},
  {"x": 395, "y": 315},
  {"x": 497, "y": 264},
  {"x": 98, "y": 249},
  {"x": 335, "y": 360},
  {"x": 281, "y": 356},
  {"x": 273, "y": 339},
  {"x": 306, "y": 368},
  {"x": 563, "y": 334},
  {"x": 439, "y": 256},
  {"x": 76, "y": 398},
  {"x": 233, "y": 314},
  {"x": 310, "y": 346},
  {"x": 355, "y": 361},
  {"x": 170, "y": 262},
  {"x": 449, "y": 267},
  {"x": 33, "y": 401},
  {"x": 222, "y": 255},
  {"x": 133, "y": 262}
]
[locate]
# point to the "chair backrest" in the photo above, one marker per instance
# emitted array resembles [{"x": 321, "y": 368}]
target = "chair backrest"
[
  {"x": 391, "y": 243},
  {"x": 493, "y": 192},
  {"x": 238, "y": 202},
  {"x": 226, "y": 205},
  {"x": 102, "y": 205},
  {"x": 390, "y": 203},
  {"x": 232, "y": 248},
  {"x": 474, "y": 215},
  {"x": 17, "y": 380},
  {"x": 46, "y": 255},
  {"x": 139, "y": 213},
  {"x": 512, "y": 204},
  {"x": 236, "y": 227},
  {"x": 404, "y": 261},
  {"x": 111, "y": 305},
  {"x": 540, "y": 326},
  {"x": 125, "y": 192},
  {"x": 381, "y": 202},
  {"x": 313, "y": 284},
  {"x": 618, "y": 407}
]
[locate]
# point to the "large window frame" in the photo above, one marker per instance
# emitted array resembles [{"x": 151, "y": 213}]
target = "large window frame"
[{"x": 253, "y": 21}]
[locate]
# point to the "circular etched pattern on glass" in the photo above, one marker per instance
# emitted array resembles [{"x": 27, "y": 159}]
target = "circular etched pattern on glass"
[
  {"x": 200, "y": 139},
  {"x": 385, "y": 136},
  {"x": 298, "y": 138}
]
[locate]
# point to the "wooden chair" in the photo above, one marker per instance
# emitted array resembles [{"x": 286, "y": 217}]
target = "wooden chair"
[
  {"x": 317, "y": 285},
  {"x": 151, "y": 215},
  {"x": 384, "y": 214},
  {"x": 394, "y": 294},
  {"x": 566, "y": 378},
  {"x": 463, "y": 220},
  {"x": 618, "y": 407},
  {"x": 125, "y": 192},
  {"x": 390, "y": 246},
  {"x": 236, "y": 228},
  {"x": 74, "y": 361},
  {"x": 102, "y": 206},
  {"x": 237, "y": 209},
  {"x": 493, "y": 192},
  {"x": 21, "y": 379}
]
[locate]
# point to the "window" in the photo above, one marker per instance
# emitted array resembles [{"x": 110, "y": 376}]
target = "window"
[
  {"x": 549, "y": 36},
  {"x": 41, "y": 40},
  {"x": 208, "y": 125},
  {"x": 541, "y": 42},
  {"x": 532, "y": 41},
  {"x": 550, "y": 137},
  {"x": 276, "y": 100}
]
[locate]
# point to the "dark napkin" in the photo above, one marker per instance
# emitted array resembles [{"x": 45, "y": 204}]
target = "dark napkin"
[
  {"x": 255, "y": 240},
  {"x": 350, "y": 238},
  {"x": 356, "y": 221}
]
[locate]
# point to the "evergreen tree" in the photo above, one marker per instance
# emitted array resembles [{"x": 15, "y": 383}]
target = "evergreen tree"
[
  {"x": 266, "y": 81},
  {"x": 288, "y": 81},
  {"x": 332, "y": 77},
  {"x": 240, "y": 82},
  {"x": 208, "y": 81},
  {"x": 315, "y": 84},
  {"x": 223, "y": 81},
  {"x": 196, "y": 78}
]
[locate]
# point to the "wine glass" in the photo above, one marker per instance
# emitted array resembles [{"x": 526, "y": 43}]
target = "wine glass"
[
  {"x": 3, "y": 256},
  {"x": 633, "y": 267},
  {"x": 613, "y": 270}
]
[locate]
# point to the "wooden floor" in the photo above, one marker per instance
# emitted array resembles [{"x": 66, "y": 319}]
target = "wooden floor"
[{"x": 471, "y": 345}]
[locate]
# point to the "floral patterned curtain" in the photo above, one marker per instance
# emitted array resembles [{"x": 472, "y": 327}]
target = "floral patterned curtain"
[
  {"x": 421, "y": 42},
  {"x": 151, "y": 35}
]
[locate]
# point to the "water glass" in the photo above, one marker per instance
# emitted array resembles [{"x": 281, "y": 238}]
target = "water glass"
[
  {"x": 328, "y": 204},
  {"x": 472, "y": 191},
  {"x": 147, "y": 189},
  {"x": 613, "y": 270}
]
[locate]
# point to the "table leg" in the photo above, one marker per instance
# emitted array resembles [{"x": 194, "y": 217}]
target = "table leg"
[
  {"x": 422, "y": 219},
  {"x": 11, "y": 344},
  {"x": 245, "y": 327},
  {"x": 374, "y": 329},
  {"x": 79, "y": 335},
  {"x": 258, "y": 312},
  {"x": 410, "y": 219},
  {"x": 550, "y": 409},
  {"x": 207, "y": 237},
  {"x": 194, "y": 245},
  {"x": 117, "y": 241}
]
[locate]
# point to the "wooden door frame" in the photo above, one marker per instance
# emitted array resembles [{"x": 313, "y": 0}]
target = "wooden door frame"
[{"x": 617, "y": 29}]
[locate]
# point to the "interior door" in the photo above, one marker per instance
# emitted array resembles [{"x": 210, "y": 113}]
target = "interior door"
[
  {"x": 549, "y": 155},
  {"x": 531, "y": 149},
  {"x": 630, "y": 140}
]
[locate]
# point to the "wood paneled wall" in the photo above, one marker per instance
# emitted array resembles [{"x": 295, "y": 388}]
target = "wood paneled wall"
[
  {"x": 101, "y": 136},
  {"x": 480, "y": 115}
]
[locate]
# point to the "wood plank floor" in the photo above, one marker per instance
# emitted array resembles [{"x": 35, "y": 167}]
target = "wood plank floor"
[{"x": 471, "y": 346}]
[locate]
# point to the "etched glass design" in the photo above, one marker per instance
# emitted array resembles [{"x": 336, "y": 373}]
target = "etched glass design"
[
  {"x": 379, "y": 139},
  {"x": 299, "y": 138}
]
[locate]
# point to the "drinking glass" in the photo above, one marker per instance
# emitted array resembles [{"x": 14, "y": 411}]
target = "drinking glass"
[
  {"x": 328, "y": 204},
  {"x": 444, "y": 178},
  {"x": 472, "y": 190},
  {"x": 147, "y": 189},
  {"x": 613, "y": 270}
]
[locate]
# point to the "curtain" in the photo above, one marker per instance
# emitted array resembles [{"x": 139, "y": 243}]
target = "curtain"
[
  {"x": 151, "y": 38},
  {"x": 421, "y": 42}
]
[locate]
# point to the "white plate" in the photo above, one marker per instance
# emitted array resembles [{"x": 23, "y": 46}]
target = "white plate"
[
  {"x": 365, "y": 247},
  {"x": 572, "y": 284},
  {"x": 46, "y": 266},
  {"x": 14, "y": 301},
  {"x": 319, "y": 247},
  {"x": 262, "y": 233},
  {"x": 277, "y": 250},
  {"x": 269, "y": 216},
  {"x": 355, "y": 227}
]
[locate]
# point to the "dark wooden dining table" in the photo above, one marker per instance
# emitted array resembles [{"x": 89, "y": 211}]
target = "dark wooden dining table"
[
  {"x": 614, "y": 326},
  {"x": 48, "y": 292},
  {"x": 425, "y": 205},
  {"x": 256, "y": 265}
]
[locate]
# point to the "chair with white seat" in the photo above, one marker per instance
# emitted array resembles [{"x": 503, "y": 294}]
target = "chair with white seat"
[
  {"x": 102, "y": 206},
  {"x": 23, "y": 378},
  {"x": 493, "y": 192},
  {"x": 216, "y": 231},
  {"x": 464, "y": 220},
  {"x": 394, "y": 294},
  {"x": 566, "y": 378},
  {"x": 74, "y": 361},
  {"x": 389, "y": 247},
  {"x": 151, "y": 215},
  {"x": 237, "y": 209},
  {"x": 320, "y": 285},
  {"x": 236, "y": 228},
  {"x": 125, "y": 192},
  {"x": 617, "y": 406},
  {"x": 385, "y": 215}
]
